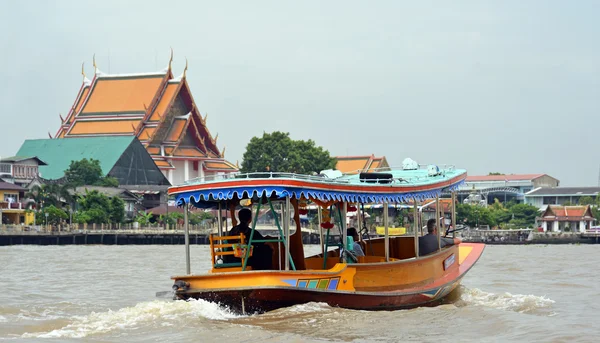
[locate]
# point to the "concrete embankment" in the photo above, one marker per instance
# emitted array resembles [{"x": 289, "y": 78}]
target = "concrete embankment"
[
  {"x": 529, "y": 237},
  {"x": 113, "y": 237}
]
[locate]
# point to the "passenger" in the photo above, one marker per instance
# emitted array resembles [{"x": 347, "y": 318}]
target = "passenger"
[
  {"x": 356, "y": 248},
  {"x": 429, "y": 243},
  {"x": 262, "y": 253}
]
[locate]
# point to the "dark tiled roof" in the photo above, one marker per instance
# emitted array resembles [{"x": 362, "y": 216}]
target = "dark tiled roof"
[
  {"x": 5, "y": 186},
  {"x": 575, "y": 191}
]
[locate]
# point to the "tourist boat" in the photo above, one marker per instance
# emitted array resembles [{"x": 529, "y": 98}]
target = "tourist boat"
[{"x": 391, "y": 276}]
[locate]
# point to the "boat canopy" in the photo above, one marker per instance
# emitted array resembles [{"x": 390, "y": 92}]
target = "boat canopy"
[{"x": 389, "y": 186}]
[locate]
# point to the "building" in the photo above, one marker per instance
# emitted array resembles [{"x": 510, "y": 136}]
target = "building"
[
  {"x": 361, "y": 164},
  {"x": 504, "y": 187},
  {"x": 121, "y": 157},
  {"x": 159, "y": 110},
  {"x": 12, "y": 206},
  {"x": 567, "y": 218},
  {"x": 20, "y": 170},
  {"x": 543, "y": 196}
]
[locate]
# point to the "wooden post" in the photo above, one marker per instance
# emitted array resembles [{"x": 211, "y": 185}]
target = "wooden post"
[
  {"x": 416, "y": 225},
  {"x": 320, "y": 215},
  {"x": 220, "y": 221},
  {"x": 453, "y": 209},
  {"x": 386, "y": 228},
  {"x": 286, "y": 232},
  {"x": 437, "y": 221},
  {"x": 187, "y": 238},
  {"x": 344, "y": 224}
]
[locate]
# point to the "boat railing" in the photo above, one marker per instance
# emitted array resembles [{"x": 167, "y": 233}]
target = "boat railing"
[{"x": 313, "y": 178}]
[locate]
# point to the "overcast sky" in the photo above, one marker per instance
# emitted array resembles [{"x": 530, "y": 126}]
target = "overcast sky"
[{"x": 507, "y": 86}]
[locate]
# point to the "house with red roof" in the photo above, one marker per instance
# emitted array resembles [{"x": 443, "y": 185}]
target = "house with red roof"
[
  {"x": 361, "y": 164},
  {"x": 567, "y": 218}
]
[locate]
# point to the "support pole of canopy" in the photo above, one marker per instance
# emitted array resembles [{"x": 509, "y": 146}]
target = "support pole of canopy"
[
  {"x": 344, "y": 222},
  {"x": 453, "y": 209},
  {"x": 386, "y": 228},
  {"x": 186, "y": 226},
  {"x": 286, "y": 226},
  {"x": 416, "y": 225},
  {"x": 220, "y": 221},
  {"x": 437, "y": 221},
  {"x": 320, "y": 215}
]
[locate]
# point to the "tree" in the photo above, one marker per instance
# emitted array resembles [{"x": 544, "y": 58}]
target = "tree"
[
  {"x": 55, "y": 215},
  {"x": 98, "y": 208},
  {"x": 88, "y": 172},
  {"x": 474, "y": 215},
  {"x": 143, "y": 218},
  {"x": 277, "y": 152},
  {"x": 495, "y": 173},
  {"x": 117, "y": 210},
  {"x": 586, "y": 200},
  {"x": 523, "y": 215}
]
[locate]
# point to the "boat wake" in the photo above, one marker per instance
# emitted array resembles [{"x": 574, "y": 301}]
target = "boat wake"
[
  {"x": 520, "y": 303},
  {"x": 147, "y": 314}
]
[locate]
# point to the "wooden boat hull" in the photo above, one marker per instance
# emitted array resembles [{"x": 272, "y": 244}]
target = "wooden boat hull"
[{"x": 370, "y": 286}]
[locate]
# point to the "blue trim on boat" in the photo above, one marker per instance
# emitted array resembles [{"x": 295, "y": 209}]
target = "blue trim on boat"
[{"x": 198, "y": 198}]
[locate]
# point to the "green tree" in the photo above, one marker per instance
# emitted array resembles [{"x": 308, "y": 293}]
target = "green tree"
[
  {"x": 474, "y": 215},
  {"x": 143, "y": 218},
  {"x": 523, "y": 215},
  {"x": 98, "y": 208},
  {"x": 88, "y": 172},
  {"x": 495, "y": 173},
  {"x": 55, "y": 215},
  {"x": 117, "y": 210},
  {"x": 586, "y": 200},
  {"x": 277, "y": 152}
]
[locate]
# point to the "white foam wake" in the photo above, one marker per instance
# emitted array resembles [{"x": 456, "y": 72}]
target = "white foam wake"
[
  {"x": 506, "y": 301},
  {"x": 154, "y": 313}
]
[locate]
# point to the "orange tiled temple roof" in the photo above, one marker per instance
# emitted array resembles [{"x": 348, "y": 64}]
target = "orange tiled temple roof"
[{"x": 156, "y": 107}]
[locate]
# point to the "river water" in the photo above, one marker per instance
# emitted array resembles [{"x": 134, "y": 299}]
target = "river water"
[{"x": 108, "y": 294}]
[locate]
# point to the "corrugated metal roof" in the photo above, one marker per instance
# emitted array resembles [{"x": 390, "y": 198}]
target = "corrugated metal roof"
[
  {"x": 59, "y": 153},
  {"x": 565, "y": 191}
]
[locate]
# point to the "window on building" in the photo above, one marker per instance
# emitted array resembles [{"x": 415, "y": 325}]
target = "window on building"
[
  {"x": 10, "y": 198},
  {"x": 5, "y": 168},
  {"x": 195, "y": 164}
]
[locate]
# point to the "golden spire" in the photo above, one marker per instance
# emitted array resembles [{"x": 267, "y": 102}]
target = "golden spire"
[
  {"x": 61, "y": 118},
  {"x": 171, "y": 59},
  {"x": 223, "y": 152},
  {"x": 216, "y": 137},
  {"x": 94, "y": 64},
  {"x": 237, "y": 164},
  {"x": 82, "y": 70},
  {"x": 204, "y": 120},
  {"x": 186, "y": 66}
]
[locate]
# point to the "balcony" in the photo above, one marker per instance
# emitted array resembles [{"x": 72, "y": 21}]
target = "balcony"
[{"x": 5, "y": 205}]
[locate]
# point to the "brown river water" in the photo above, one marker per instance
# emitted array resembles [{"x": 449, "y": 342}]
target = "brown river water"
[{"x": 108, "y": 294}]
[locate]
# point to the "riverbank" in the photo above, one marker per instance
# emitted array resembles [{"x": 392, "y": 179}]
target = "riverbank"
[{"x": 517, "y": 237}]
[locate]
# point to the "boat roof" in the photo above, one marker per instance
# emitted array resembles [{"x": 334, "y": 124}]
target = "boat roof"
[{"x": 395, "y": 185}]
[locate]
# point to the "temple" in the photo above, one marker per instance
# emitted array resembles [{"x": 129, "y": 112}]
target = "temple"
[{"x": 159, "y": 110}]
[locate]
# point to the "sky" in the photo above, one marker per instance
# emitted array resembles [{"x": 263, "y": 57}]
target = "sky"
[{"x": 488, "y": 86}]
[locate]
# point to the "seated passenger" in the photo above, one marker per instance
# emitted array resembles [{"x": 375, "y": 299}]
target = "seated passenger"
[
  {"x": 262, "y": 253},
  {"x": 429, "y": 243},
  {"x": 356, "y": 248}
]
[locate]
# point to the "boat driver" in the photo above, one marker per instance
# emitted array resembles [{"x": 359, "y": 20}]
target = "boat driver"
[
  {"x": 429, "y": 243},
  {"x": 261, "y": 253}
]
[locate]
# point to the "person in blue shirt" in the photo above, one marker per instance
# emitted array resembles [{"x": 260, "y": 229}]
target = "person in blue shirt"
[{"x": 356, "y": 248}]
